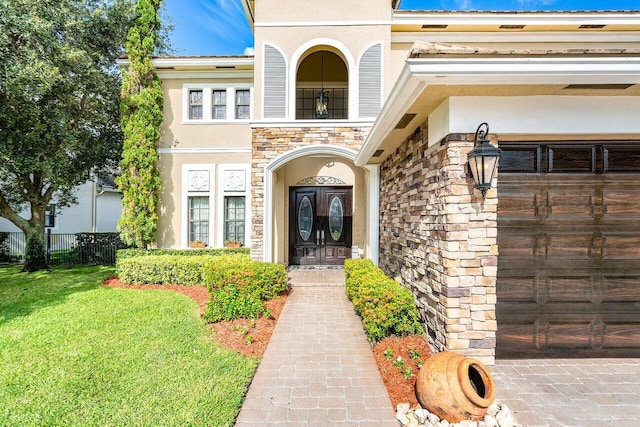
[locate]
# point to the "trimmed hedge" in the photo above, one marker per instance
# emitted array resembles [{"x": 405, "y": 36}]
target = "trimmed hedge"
[
  {"x": 163, "y": 269},
  {"x": 238, "y": 286},
  {"x": 385, "y": 307},
  {"x": 131, "y": 253}
]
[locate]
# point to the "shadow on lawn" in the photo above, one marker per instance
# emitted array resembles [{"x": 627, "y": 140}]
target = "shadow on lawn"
[{"x": 23, "y": 293}]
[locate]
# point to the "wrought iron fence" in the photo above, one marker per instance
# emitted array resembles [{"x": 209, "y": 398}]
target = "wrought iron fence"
[{"x": 78, "y": 248}]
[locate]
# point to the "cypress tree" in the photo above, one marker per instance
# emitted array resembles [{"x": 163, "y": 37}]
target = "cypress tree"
[{"x": 141, "y": 117}]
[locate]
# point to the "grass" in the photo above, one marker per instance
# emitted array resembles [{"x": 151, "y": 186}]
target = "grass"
[{"x": 74, "y": 352}]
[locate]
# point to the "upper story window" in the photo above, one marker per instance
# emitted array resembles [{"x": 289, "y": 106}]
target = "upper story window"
[
  {"x": 211, "y": 103},
  {"x": 50, "y": 216},
  {"x": 195, "y": 104},
  {"x": 219, "y": 106},
  {"x": 322, "y": 87},
  {"x": 243, "y": 103}
]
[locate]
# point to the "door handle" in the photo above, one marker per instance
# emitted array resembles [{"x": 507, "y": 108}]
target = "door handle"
[
  {"x": 322, "y": 238},
  {"x": 317, "y": 237}
]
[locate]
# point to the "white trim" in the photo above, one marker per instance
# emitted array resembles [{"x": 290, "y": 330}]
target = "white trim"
[
  {"x": 352, "y": 72},
  {"x": 174, "y": 150},
  {"x": 222, "y": 168},
  {"x": 321, "y": 23},
  {"x": 316, "y": 124},
  {"x": 272, "y": 167},
  {"x": 206, "y": 74},
  {"x": 184, "y": 202},
  {"x": 515, "y": 18},
  {"x": 515, "y": 36},
  {"x": 374, "y": 212},
  {"x": 199, "y": 61},
  {"x": 417, "y": 73}
]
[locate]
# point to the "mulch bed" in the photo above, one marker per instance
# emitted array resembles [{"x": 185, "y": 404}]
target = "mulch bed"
[{"x": 250, "y": 338}]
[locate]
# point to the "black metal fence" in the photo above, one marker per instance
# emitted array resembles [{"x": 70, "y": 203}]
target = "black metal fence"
[{"x": 78, "y": 248}]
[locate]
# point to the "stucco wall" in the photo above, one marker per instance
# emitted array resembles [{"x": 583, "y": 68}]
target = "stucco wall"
[{"x": 438, "y": 238}]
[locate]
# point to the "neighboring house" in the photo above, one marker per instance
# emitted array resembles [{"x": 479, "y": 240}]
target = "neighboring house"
[
  {"x": 97, "y": 211},
  {"x": 347, "y": 135}
]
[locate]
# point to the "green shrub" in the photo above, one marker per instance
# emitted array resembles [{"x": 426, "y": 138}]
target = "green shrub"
[
  {"x": 263, "y": 279},
  {"x": 131, "y": 253},
  {"x": 164, "y": 269},
  {"x": 34, "y": 256},
  {"x": 238, "y": 286},
  {"x": 386, "y": 308},
  {"x": 230, "y": 302}
]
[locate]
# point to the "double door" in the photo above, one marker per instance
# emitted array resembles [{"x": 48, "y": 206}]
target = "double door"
[{"x": 320, "y": 225}]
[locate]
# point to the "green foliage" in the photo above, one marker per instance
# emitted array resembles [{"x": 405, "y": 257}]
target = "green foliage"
[
  {"x": 164, "y": 269},
  {"x": 59, "y": 100},
  {"x": 386, "y": 308},
  {"x": 76, "y": 353},
  {"x": 231, "y": 302},
  {"x": 141, "y": 118},
  {"x": 34, "y": 256},
  {"x": 264, "y": 280},
  {"x": 238, "y": 286},
  {"x": 130, "y": 253}
]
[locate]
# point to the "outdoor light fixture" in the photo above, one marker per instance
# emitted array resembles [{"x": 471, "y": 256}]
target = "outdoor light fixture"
[
  {"x": 483, "y": 159},
  {"x": 323, "y": 97}
]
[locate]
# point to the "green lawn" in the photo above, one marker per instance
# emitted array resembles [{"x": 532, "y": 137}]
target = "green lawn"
[{"x": 73, "y": 352}]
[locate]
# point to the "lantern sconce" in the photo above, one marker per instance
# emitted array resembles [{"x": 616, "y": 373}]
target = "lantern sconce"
[
  {"x": 322, "y": 100},
  {"x": 483, "y": 159}
]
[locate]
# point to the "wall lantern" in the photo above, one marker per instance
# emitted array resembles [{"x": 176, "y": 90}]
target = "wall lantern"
[
  {"x": 483, "y": 159},
  {"x": 323, "y": 97}
]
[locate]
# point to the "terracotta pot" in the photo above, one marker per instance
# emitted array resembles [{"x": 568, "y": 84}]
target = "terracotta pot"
[{"x": 455, "y": 387}]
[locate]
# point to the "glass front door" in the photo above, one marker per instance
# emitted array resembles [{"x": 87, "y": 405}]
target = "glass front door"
[{"x": 320, "y": 225}]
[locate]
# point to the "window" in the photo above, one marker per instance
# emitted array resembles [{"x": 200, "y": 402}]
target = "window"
[
  {"x": 234, "y": 219},
  {"x": 199, "y": 220},
  {"x": 195, "y": 104},
  {"x": 242, "y": 104},
  {"x": 219, "y": 105},
  {"x": 50, "y": 216}
]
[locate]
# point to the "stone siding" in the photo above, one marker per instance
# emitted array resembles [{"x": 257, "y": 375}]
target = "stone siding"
[
  {"x": 271, "y": 142},
  {"x": 438, "y": 238}
]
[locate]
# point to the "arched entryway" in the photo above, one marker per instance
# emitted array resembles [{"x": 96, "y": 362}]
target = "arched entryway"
[{"x": 321, "y": 185}]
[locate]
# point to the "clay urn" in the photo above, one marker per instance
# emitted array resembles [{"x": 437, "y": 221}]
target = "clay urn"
[{"x": 455, "y": 387}]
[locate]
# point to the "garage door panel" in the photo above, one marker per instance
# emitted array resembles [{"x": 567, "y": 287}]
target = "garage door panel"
[
  {"x": 520, "y": 206},
  {"x": 562, "y": 289},
  {"x": 569, "y": 335},
  {"x": 621, "y": 335},
  {"x": 569, "y": 246},
  {"x": 621, "y": 289},
  {"x": 518, "y": 288},
  {"x": 623, "y": 204},
  {"x": 620, "y": 246},
  {"x": 569, "y": 204}
]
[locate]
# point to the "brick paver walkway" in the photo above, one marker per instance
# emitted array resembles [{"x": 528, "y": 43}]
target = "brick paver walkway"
[
  {"x": 570, "y": 392},
  {"x": 318, "y": 369}
]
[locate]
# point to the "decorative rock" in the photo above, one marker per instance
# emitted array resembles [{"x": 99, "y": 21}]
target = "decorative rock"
[
  {"x": 505, "y": 419},
  {"x": 403, "y": 408},
  {"x": 490, "y": 421},
  {"x": 422, "y": 414},
  {"x": 413, "y": 422},
  {"x": 493, "y": 409},
  {"x": 444, "y": 423},
  {"x": 404, "y": 420},
  {"x": 433, "y": 418}
]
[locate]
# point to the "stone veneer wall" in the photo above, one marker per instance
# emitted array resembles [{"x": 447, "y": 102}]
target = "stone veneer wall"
[
  {"x": 438, "y": 238},
  {"x": 270, "y": 142}
]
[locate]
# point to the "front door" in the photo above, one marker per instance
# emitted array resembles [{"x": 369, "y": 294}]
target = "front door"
[{"x": 320, "y": 225}]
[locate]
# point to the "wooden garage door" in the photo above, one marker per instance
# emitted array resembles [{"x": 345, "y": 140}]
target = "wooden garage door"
[{"x": 569, "y": 241}]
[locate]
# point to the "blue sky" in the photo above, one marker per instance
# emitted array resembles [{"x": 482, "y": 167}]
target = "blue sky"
[{"x": 219, "y": 27}]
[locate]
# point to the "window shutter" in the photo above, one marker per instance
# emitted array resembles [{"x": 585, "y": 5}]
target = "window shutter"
[
  {"x": 275, "y": 84},
  {"x": 370, "y": 81}
]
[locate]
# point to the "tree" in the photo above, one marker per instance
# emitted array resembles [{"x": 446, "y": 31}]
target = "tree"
[
  {"x": 59, "y": 103},
  {"x": 142, "y": 116}
]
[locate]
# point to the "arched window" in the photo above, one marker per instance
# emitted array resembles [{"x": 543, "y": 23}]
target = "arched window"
[{"x": 322, "y": 86}]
